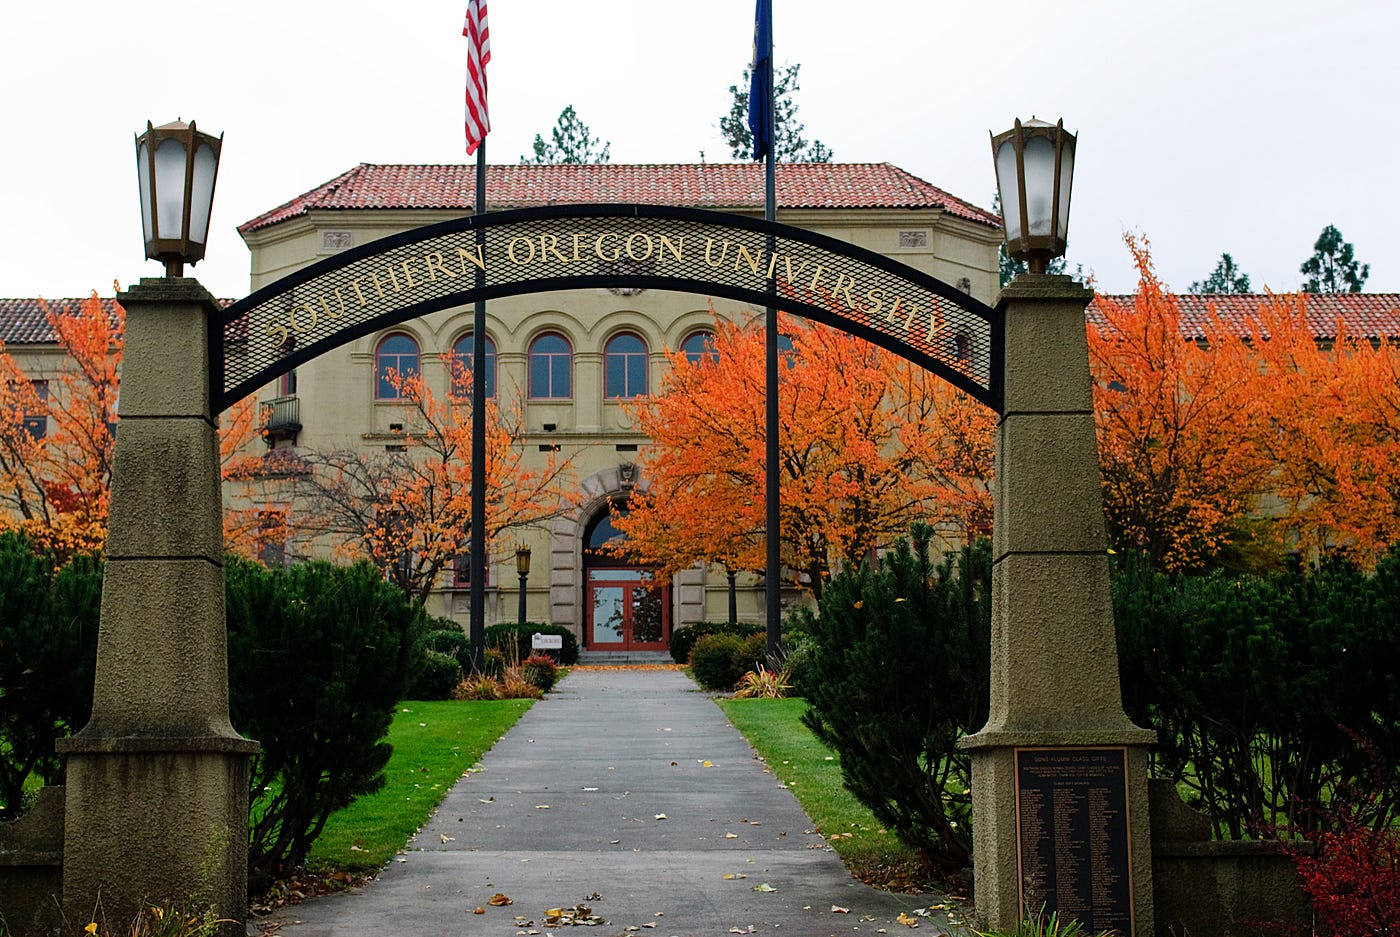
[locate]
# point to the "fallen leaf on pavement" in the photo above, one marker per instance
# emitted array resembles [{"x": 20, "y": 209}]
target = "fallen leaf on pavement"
[
  {"x": 765, "y": 887},
  {"x": 541, "y": 806},
  {"x": 445, "y": 838},
  {"x": 479, "y": 910},
  {"x": 908, "y": 920},
  {"x": 837, "y": 909},
  {"x": 662, "y": 816},
  {"x": 499, "y": 900}
]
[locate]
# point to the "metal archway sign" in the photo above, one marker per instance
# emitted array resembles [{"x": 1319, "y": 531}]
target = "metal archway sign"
[{"x": 532, "y": 250}]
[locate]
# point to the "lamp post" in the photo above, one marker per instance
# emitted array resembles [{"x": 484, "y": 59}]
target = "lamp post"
[
  {"x": 156, "y": 801},
  {"x": 522, "y": 569},
  {"x": 176, "y": 166},
  {"x": 1035, "y": 166},
  {"x": 1059, "y": 772}
]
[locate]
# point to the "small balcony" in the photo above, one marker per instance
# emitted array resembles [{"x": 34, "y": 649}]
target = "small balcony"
[{"x": 280, "y": 419}]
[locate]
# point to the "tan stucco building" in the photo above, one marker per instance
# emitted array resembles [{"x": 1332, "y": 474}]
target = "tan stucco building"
[{"x": 569, "y": 359}]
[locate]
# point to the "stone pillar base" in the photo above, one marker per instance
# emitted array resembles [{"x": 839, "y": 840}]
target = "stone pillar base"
[
  {"x": 996, "y": 860},
  {"x": 122, "y": 794}
]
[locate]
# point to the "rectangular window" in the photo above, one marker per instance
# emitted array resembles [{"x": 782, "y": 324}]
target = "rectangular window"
[
  {"x": 37, "y": 424},
  {"x": 462, "y": 570},
  {"x": 272, "y": 537}
]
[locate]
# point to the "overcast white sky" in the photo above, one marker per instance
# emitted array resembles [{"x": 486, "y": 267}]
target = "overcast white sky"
[{"x": 1208, "y": 126}]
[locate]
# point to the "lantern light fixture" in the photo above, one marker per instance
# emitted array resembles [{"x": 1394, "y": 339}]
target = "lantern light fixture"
[
  {"x": 1035, "y": 168},
  {"x": 176, "y": 166},
  {"x": 522, "y": 569}
]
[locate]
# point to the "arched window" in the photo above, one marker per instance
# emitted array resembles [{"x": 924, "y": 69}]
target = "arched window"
[
  {"x": 698, "y": 346},
  {"x": 551, "y": 368},
  {"x": 600, "y": 533},
  {"x": 462, "y": 366},
  {"x": 962, "y": 347},
  {"x": 396, "y": 355},
  {"x": 625, "y": 366}
]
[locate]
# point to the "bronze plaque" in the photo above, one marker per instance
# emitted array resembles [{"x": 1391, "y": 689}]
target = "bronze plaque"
[{"x": 1072, "y": 835}]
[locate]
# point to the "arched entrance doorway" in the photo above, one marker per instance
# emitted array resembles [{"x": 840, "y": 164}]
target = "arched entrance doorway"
[{"x": 624, "y": 609}]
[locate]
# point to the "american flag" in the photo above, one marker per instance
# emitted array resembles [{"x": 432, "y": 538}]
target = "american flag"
[{"x": 479, "y": 35}]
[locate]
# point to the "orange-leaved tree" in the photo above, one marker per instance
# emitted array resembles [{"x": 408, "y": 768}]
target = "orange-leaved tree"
[
  {"x": 1332, "y": 427},
  {"x": 58, "y": 432},
  {"x": 1180, "y": 466},
  {"x": 56, "y": 436},
  {"x": 410, "y": 510},
  {"x": 859, "y": 455},
  {"x": 257, "y": 484}
]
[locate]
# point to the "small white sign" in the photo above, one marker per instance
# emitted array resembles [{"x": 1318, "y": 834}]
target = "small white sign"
[{"x": 547, "y": 642}]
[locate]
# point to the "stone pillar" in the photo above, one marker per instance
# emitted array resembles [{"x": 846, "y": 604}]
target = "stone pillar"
[
  {"x": 157, "y": 791},
  {"x": 1054, "y": 681}
]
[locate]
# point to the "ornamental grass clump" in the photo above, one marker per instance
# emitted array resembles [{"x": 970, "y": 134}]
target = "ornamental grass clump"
[
  {"x": 541, "y": 671},
  {"x": 1042, "y": 925},
  {"x": 763, "y": 684}
]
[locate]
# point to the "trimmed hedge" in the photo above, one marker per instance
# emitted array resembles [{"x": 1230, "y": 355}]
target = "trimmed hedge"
[
  {"x": 720, "y": 660},
  {"x": 683, "y": 639},
  {"x": 452, "y": 641},
  {"x": 439, "y": 677},
  {"x": 514, "y": 640}
]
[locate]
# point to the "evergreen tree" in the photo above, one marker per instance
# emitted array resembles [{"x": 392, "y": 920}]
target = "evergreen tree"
[
  {"x": 1333, "y": 267},
  {"x": 570, "y": 142},
  {"x": 789, "y": 146},
  {"x": 1225, "y": 278}
]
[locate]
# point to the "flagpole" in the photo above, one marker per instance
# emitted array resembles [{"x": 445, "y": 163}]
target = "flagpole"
[
  {"x": 478, "y": 534},
  {"x": 477, "y": 126},
  {"x": 773, "y": 574}
]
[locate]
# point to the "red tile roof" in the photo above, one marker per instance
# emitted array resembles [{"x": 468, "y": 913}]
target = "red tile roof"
[
  {"x": 24, "y": 321},
  {"x": 698, "y": 185},
  {"x": 1365, "y": 315}
]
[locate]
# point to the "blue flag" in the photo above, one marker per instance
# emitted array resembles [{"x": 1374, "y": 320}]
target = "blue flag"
[{"x": 761, "y": 81}]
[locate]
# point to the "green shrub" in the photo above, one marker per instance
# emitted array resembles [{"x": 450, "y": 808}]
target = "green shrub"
[
  {"x": 493, "y": 663},
  {"x": 900, "y": 672},
  {"x": 683, "y": 639},
  {"x": 540, "y": 670},
  {"x": 48, "y": 653},
  {"x": 753, "y": 653},
  {"x": 798, "y": 660},
  {"x": 514, "y": 640},
  {"x": 319, "y": 657},
  {"x": 1267, "y": 692},
  {"x": 439, "y": 677},
  {"x": 451, "y": 641},
  {"x": 717, "y": 661}
]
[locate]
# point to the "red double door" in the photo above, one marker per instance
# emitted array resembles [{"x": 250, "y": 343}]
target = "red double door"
[{"x": 626, "y": 611}]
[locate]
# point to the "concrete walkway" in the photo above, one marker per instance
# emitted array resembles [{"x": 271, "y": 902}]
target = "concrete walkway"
[{"x": 600, "y": 795}]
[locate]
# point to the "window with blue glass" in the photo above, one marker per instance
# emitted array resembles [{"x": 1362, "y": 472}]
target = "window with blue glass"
[
  {"x": 462, "y": 353},
  {"x": 551, "y": 368},
  {"x": 395, "y": 358},
  {"x": 698, "y": 346},
  {"x": 625, "y": 366}
]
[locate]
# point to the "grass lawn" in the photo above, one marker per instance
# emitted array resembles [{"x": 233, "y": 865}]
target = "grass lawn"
[
  {"x": 774, "y": 728},
  {"x": 435, "y": 743}
]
